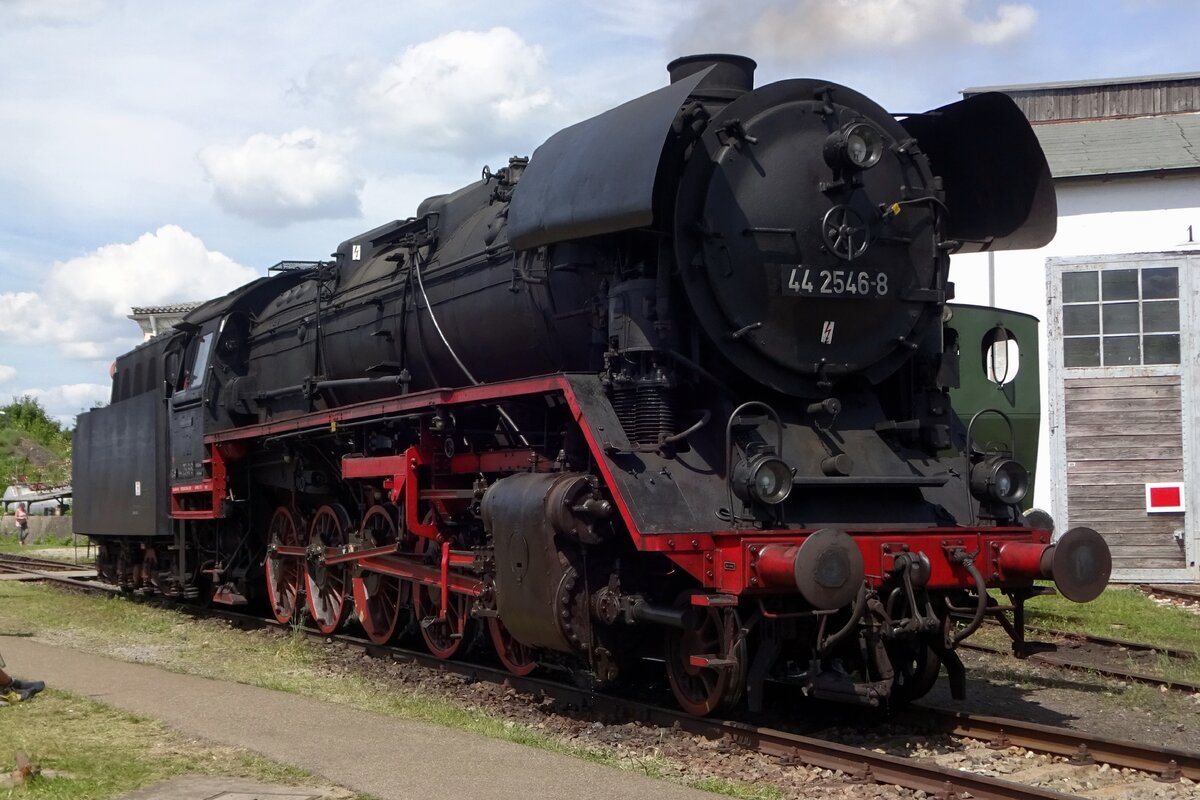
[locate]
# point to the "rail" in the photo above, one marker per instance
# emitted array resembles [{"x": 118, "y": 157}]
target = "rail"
[
  {"x": 1107, "y": 670},
  {"x": 860, "y": 764}
]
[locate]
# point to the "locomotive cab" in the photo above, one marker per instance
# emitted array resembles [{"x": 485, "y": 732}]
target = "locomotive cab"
[{"x": 191, "y": 416}]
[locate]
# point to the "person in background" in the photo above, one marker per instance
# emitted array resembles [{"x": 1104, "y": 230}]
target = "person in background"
[
  {"x": 22, "y": 523},
  {"x": 13, "y": 691}
]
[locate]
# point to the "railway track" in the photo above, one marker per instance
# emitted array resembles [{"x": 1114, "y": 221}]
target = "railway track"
[
  {"x": 1081, "y": 752},
  {"x": 1080, "y": 748},
  {"x": 1057, "y": 659},
  {"x": 1089, "y": 760},
  {"x": 1107, "y": 670},
  {"x": 15, "y": 564},
  {"x": 1173, "y": 592},
  {"x": 1120, "y": 644},
  {"x": 1104, "y": 641}
]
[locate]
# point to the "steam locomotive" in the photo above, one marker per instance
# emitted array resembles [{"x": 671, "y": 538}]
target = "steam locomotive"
[{"x": 678, "y": 387}]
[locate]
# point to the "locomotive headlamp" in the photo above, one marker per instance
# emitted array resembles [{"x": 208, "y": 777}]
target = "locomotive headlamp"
[
  {"x": 858, "y": 145},
  {"x": 999, "y": 479},
  {"x": 764, "y": 478}
]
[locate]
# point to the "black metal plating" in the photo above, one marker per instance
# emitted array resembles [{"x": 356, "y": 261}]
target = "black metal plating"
[{"x": 597, "y": 176}]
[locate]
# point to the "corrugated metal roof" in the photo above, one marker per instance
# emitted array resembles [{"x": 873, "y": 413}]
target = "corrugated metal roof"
[
  {"x": 1121, "y": 146},
  {"x": 177, "y": 308},
  {"x": 1037, "y": 87}
]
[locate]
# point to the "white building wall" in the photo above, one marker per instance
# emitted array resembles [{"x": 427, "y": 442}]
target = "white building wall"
[{"x": 1096, "y": 217}]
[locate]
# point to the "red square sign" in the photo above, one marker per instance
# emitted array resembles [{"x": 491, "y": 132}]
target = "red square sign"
[{"x": 1164, "y": 498}]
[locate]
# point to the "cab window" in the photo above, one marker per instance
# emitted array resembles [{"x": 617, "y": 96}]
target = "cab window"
[
  {"x": 1001, "y": 356},
  {"x": 197, "y": 361}
]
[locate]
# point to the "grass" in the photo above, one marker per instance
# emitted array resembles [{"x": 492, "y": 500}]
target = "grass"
[
  {"x": 178, "y": 642},
  {"x": 1118, "y": 613},
  {"x": 1122, "y": 614},
  {"x": 9, "y": 543},
  {"x": 748, "y": 791},
  {"x": 89, "y": 751}
]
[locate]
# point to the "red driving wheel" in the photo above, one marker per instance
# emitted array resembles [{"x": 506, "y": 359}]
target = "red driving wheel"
[{"x": 327, "y": 584}]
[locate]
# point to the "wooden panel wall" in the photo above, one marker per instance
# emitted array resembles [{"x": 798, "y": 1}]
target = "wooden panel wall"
[
  {"x": 1103, "y": 101},
  {"x": 1122, "y": 433}
]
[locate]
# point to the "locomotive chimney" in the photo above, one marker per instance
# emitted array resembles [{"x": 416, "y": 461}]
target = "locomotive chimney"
[{"x": 732, "y": 76}]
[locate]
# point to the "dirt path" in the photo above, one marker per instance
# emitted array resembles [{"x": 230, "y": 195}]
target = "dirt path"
[{"x": 366, "y": 752}]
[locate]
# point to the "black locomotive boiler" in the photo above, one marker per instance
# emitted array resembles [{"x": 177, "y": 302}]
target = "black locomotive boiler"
[{"x": 677, "y": 386}]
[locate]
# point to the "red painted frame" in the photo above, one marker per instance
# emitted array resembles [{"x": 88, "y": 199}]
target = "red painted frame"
[
  {"x": 214, "y": 487},
  {"x": 723, "y": 560}
]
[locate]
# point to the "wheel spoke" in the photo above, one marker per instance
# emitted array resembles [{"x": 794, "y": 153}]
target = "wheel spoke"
[
  {"x": 283, "y": 573},
  {"x": 516, "y": 657},
  {"x": 326, "y": 584},
  {"x": 443, "y": 637},
  {"x": 702, "y": 690},
  {"x": 379, "y": 599}
]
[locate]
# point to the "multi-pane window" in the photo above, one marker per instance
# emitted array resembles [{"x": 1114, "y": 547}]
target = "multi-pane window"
[{"x": 1121, "y": 317}]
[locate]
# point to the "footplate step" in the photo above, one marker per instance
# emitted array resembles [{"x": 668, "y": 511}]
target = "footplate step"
[{"x": 712, "y": 662}]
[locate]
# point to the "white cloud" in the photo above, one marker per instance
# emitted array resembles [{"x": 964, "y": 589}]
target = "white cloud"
[
  {"x": 52, "y": 12},
  {"x": 86, "y": 350},
  {"x": 464, "y": 91},
  {"x": 277, "y": 180},
  {"x": 168, "y": 265},
  {"x": 25, "y": 318},
  {"x": 459, "y": 86},
  {"x": 66, "y": 401},
  {"x": 7, "y": 373},
  {"x": 641, "y": 18},
  {"x": 84, "y": 305},
  {"x": 1012, "y": 22},
  {"x": 805, "y": 30}
]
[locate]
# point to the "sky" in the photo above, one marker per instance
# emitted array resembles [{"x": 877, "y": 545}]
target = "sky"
[{"x": 155, "y": 153}]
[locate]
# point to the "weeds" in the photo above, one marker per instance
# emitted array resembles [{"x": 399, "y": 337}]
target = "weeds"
[
  {"x": 88, "y": 751},
  {"x": 1120, "y": 613},
  {"x": 9, "y": 543},
  {"x": 291, "y": 663}
]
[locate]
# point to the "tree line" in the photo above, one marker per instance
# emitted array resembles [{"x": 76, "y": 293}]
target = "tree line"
[{"x": 22, "y": 421}]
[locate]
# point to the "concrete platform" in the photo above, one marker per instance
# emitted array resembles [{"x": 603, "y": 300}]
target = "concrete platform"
[{"x": 391, "y": 759}]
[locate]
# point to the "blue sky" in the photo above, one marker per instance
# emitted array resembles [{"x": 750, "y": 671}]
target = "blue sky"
[{"x": 157, "y": 152}]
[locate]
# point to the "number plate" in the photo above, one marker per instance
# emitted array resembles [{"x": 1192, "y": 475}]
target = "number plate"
[{"x": 798, "y": 279}]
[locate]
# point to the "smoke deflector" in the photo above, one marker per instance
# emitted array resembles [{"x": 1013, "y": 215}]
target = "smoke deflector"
[{"x": 999, "y": 191}]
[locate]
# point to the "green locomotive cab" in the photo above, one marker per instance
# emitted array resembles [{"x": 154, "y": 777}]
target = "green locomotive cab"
[{"x": 999, "y": 382}]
